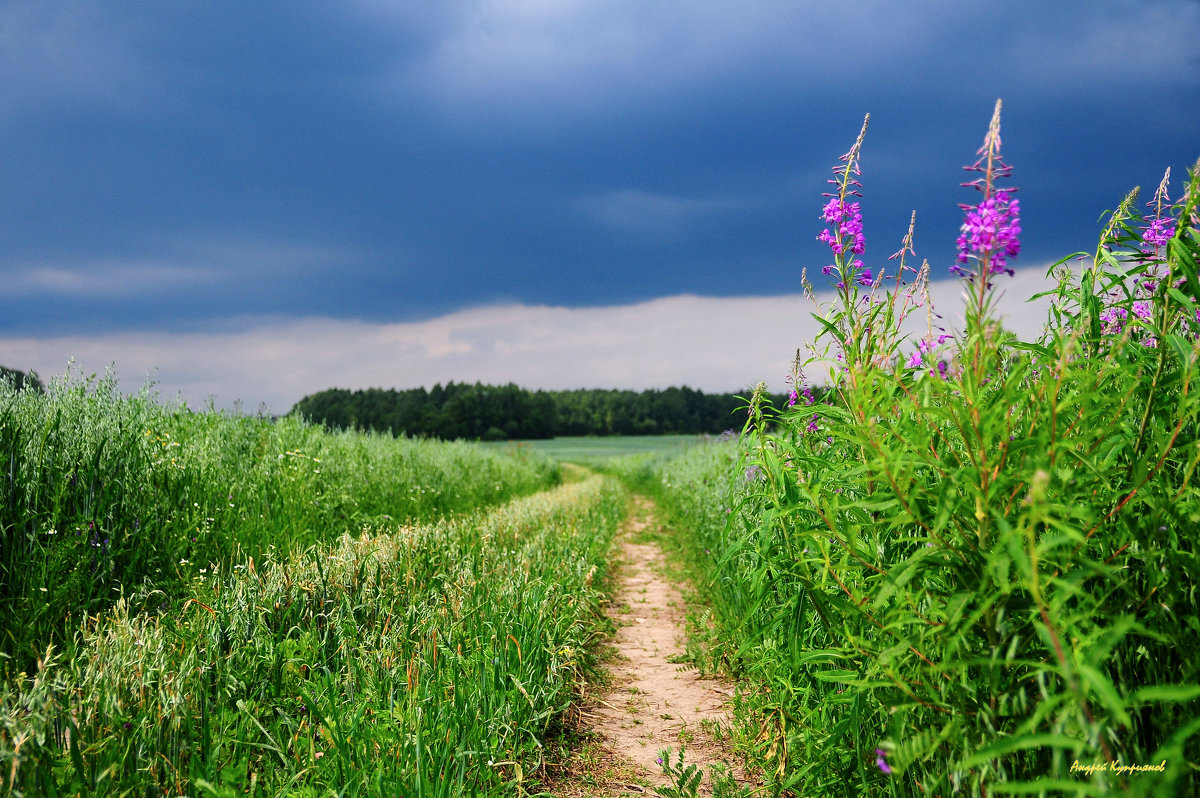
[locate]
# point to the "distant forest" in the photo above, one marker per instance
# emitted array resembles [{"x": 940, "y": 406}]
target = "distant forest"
[{"x": 492, "y": 412}]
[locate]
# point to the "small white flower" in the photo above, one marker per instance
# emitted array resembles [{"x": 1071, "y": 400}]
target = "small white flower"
[{"x": 183, "y": 562}]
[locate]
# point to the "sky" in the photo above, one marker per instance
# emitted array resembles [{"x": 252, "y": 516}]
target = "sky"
[{"x": 247, "y": 203}]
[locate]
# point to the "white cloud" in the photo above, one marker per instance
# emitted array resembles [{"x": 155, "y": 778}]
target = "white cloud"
[{"x": 714, "y": 344}]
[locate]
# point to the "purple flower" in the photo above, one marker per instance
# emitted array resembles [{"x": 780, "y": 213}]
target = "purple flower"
[
  {"x": 1159, "y": 232},
  {"x": 881, "y": 761},
  {"x": 812, "y": 424},
  {"x": 991, "y": 233},
  {"x": 914, "y": 361},
  {"x": 846, "y": 218},
  {"x": 833, "y": 211},
  {"x": 792, "y": 397},
  {"x": 1114, "y": 320},
  {"x": 1161, "y": 228}
]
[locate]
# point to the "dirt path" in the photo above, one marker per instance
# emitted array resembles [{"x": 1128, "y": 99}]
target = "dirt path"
[{"x": 653, "y": 700}]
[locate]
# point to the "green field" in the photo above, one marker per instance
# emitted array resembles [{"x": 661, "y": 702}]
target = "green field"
[{"x": 595, "y": 449}]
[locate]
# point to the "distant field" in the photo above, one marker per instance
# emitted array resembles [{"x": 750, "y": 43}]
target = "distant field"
[{"x": 599, "y": 448}]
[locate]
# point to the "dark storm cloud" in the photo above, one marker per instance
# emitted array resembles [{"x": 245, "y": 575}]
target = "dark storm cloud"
[{"x": 183, "y": 166}]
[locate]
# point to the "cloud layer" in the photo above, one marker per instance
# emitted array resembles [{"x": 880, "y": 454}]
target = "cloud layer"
[{"x": 714, "y": 344}]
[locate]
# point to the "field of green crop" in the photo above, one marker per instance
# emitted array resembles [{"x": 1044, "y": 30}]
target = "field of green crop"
[
  {"x": 278, "y": 610},
  {"x": 596, "y": 450}
]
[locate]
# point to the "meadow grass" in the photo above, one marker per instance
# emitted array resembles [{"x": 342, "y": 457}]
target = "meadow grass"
[
  {"x": 103, "y": 495},
  {"x": 413, "y": 660}
]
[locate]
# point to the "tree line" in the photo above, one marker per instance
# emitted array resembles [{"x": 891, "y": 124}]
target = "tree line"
[{"x": 506, "y": 412}]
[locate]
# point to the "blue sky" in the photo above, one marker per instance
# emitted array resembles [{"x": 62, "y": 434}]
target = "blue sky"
[{"x": 270, "y": 188}]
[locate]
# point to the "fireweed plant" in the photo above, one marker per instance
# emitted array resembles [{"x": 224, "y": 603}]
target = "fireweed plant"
[{"x": 974, "y": 569}]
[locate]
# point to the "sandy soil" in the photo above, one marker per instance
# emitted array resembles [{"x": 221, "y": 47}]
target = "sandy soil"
[{"x": 654, "y": 700}]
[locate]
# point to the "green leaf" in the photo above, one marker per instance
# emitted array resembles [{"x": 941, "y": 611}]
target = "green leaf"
[
  {"x": 1007, "y": 745},
  {"x": 828, "y": 325},
  {"x": 1165, "y": 693},
  {"x": 1106, "y": 692},
  {"x": 1183, "y": 348},
  {"x": 837, "y": 675},
  {"x": 1178, "y": 296}
]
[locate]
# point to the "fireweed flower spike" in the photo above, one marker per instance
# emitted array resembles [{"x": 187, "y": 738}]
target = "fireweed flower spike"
[
  {"x": 991, "y": 231},
  {"x": 1161, "y": 227},
  {"x": 845, "y": 231}
]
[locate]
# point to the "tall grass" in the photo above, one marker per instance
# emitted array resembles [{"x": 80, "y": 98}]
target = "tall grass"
[
  {"x": 975, "y": 571},
  {"x": 103, "y": 494},
  {"x": 420, "y": 660}
]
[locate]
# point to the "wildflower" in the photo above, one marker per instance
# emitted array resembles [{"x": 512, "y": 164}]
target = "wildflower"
[
  {"x": 990, "y": 233},
  {"x": 914, "y": 361},
  {"x": 881, "y": 761},
  {"x": 1114, "y": 320},
  {"x": 1159, "y": 232},
  {"x": 1161, "y": 228}
]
